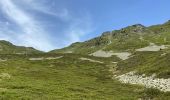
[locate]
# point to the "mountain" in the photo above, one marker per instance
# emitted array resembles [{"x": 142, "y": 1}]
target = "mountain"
[
  {"x": 137, "y": 55},
  {"x": 126, "y": 39},
  {"x": 8, "y": 48},
  {"x": 145, "y": 50}
]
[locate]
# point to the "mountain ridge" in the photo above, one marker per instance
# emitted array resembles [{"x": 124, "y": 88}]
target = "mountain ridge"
[
  {"x": 115, "y": 40},
  {"x": 138, "y": 33},
  {"x": 94, "y": 69},
  {"x": 7, "y": 47}
]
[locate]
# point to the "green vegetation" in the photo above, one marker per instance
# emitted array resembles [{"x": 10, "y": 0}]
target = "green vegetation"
[
  {"x": 67, "y": 78},
  {"x": 71, "y": 78},
  {"x": 125, "y": 39},
  {"x": 9, "y": 48},
  {"x": 147, "y": 63},
  {"x": 129, "y": 39}
]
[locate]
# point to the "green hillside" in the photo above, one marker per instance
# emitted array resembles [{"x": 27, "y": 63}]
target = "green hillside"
[
  {"x": 125, "y": 39},
  {"x": 8, "y": 48},
  {"x": 145, "y": 52},
  {"x": 149, "y": 48},
  {"x": 66, "y": 78},
  {"x": 132, "y": 63},
  {"x": 147, "y": 63}
]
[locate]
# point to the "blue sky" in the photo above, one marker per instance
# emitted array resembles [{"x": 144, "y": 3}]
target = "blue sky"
[{"x": 52, "y": 24}]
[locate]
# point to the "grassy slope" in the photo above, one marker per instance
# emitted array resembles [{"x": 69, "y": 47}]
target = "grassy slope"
[
  {"x": 125, "y": 39},
  {"x": 9, "y": 48},
  {"x": 67, "y": 78},
  {"x": 129, "y": 39},
  {"x": 147, "y": 63},
  {"x": 70, "y": 78}
]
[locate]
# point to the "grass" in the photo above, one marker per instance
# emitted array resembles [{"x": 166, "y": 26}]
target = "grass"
[
  {"x": 126, "y": 39},
  {"x": 147, "y": 63},
  {"x": 8, "y": 48},
  {"x": 68, "y": 78}
]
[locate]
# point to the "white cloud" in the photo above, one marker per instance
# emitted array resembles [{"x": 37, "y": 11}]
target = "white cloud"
[
  {"x": 33, "y": 34},
  {"x": 79, "y": 28},
  {"x": 46, "y": 7}
]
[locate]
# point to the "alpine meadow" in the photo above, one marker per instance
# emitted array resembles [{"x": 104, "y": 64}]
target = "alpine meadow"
[{"x": 84, "y": 50}]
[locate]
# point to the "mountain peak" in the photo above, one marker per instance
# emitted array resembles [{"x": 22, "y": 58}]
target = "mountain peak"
[{"x": 138, "y": 26}]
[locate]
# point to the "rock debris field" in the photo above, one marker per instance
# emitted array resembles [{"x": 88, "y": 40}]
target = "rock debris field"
[{"x": 149, "y": 82}]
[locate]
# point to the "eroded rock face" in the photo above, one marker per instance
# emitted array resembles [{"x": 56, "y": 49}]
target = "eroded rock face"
[{"x": 149, "y": 82}]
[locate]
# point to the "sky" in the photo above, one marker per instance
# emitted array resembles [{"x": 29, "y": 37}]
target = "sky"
[{"x": 53, "y": 24}]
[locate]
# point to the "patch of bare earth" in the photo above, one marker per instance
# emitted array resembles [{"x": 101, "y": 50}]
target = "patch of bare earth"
[
  {"x": 42, "y": 58},
  {"x": 91, "y": 60},
  {"x": 153, "y": 47},
  {"x": 121, "y": 55}
]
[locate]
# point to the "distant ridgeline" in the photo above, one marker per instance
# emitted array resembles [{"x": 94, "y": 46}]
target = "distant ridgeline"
[
  {"x": 129, "y": 39},
  {"x": 8, "y": 48}
]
